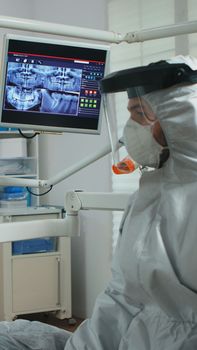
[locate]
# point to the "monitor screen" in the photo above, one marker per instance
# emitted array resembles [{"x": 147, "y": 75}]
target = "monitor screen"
[{"x": 51, "y": 85}]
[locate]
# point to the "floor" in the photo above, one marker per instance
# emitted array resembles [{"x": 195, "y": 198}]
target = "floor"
[{"x": 69, "y": 325}]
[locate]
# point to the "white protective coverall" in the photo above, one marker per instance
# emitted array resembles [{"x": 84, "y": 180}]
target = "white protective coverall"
[{"x": 151, "y": 301}]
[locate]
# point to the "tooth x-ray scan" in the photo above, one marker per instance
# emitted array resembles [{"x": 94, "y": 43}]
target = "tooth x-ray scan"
[
  {"x": 52, "y": 85},
  {"x": 43, "y": 88}
]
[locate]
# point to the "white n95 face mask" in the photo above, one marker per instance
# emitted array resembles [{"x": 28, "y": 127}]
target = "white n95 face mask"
[{"x": 141, "y": 145}]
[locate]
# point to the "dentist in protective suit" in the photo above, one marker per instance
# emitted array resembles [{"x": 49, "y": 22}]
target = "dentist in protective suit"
[{"x": 151, "y": 301}]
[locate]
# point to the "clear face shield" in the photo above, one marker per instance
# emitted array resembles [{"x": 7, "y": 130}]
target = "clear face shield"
[
  {"x": 139, "y": 131},
  {"x": 121, "y": 162},
  {"x": 143, "y": 136}
]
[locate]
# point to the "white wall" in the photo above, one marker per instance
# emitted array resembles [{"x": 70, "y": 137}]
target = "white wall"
[
  {"x": 85, "y": 13},
  {"x": 91, "y": 252},
  {"x": 18, "y": 8}
]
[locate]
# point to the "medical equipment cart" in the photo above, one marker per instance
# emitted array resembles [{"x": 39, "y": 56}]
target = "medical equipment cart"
[{"x": 39, "y": 281}]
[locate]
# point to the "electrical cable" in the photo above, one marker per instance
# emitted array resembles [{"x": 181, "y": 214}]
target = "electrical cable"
[
  {"x": 28, "y": 137},
  {"x": 39, "y": 194}
]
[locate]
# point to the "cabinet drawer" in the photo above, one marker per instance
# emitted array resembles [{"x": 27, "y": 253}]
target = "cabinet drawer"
[{"x": 35, "y": 283}]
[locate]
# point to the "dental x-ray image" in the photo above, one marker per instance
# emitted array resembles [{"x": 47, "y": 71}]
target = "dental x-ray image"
[
  {"x": 31, "y": 87},
  {"x": 61, "y": 90}
]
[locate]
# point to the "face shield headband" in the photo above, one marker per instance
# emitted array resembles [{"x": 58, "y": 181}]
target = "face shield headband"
[{"x": 146, "y": 79}]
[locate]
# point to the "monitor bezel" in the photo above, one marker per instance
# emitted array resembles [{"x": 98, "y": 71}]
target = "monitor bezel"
[{"x": 49, "y": 41}]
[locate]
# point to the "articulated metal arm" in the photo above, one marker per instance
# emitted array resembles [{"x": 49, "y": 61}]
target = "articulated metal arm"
[
  {"x": 61, "y": 227},
  {"x": 60, "y": 176},
  {"x": 16, "y": 231},
  {"x": 94, "y": 34},
  {"x": 78, "y": 200}
]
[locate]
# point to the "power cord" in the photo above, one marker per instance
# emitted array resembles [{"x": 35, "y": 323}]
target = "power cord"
[
  {"x": 28, "y": 137},
  {"x": 27, "y": 188},
  {"x": 39, "y": 194}
]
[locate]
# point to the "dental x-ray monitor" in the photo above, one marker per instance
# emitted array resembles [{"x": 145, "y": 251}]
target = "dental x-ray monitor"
[{"x": 51, "y": 85}]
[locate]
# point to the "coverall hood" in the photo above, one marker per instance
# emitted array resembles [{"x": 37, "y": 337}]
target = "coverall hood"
[{"x": 176, "y": 108}]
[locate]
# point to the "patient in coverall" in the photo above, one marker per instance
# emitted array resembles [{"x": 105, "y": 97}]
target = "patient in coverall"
[{"x": 151, "y": 301}]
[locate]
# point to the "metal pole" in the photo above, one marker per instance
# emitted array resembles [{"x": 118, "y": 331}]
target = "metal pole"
[
  {"x": 59, "y": 29},
  {"x": 161, "y": 32},
  {"x": 13, "y": 181}
]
